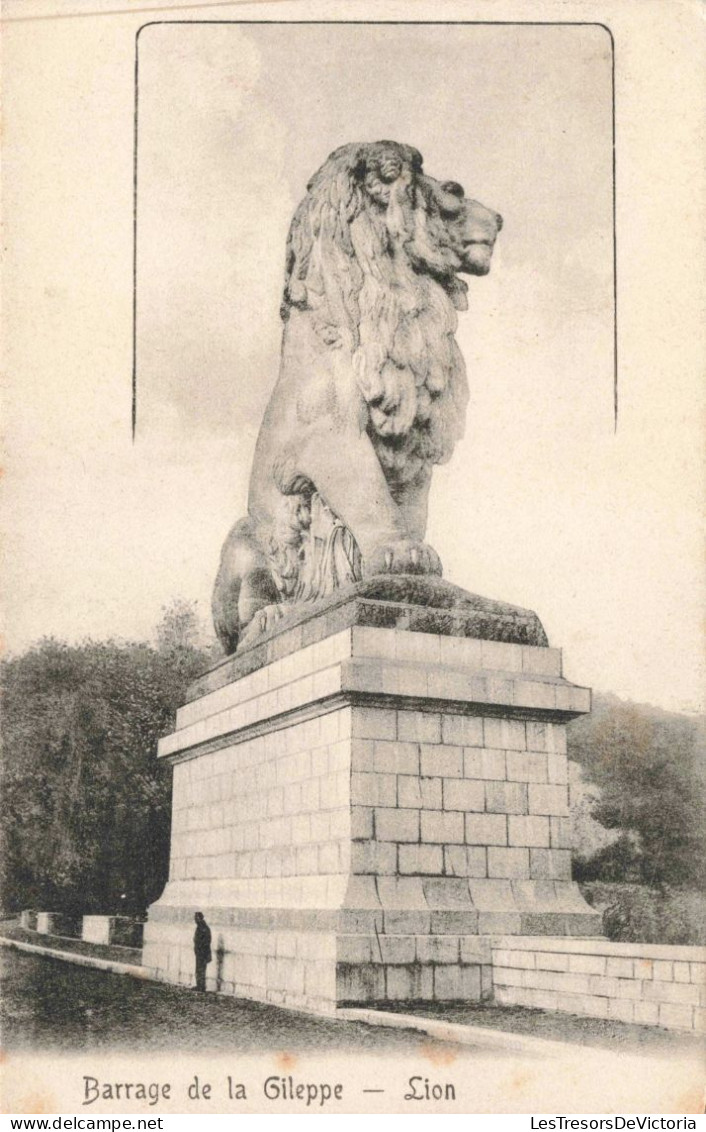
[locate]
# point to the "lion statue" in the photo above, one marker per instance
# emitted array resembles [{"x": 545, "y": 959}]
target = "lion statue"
[{"x": 371, "y": 391}]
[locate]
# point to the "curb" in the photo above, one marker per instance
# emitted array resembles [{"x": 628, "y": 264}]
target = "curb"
[
  {"x": 460, "y": 1034},
  {"x": 111, "y": 965}
]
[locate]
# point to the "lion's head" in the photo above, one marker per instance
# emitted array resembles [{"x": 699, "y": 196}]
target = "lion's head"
[
  {"x": 441, "y": 231},
  {"x": 374, "y": 255}
]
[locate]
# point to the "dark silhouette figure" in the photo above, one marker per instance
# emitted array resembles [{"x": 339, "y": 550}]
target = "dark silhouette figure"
[{"x": 202, "y": 950}]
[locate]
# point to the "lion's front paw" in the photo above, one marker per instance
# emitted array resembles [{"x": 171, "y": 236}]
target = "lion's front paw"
[
  {"x": 264, "y": 620},
  {"x": 403, "y": 557}
]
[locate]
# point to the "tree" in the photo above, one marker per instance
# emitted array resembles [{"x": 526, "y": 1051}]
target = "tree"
[
  {"x": 86, "y": 804},
  {"x": 649, "y": 767}
]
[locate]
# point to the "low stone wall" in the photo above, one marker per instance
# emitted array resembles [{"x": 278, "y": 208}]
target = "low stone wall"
[
  {"x": 120, "y": 931},
  {"x": 58, "y": 923},
  {"x": 642, "y": 983},
  {"x": 328, "y": 961}
]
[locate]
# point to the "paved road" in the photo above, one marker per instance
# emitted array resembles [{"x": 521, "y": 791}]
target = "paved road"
[{"x": 48, "y": 1004}]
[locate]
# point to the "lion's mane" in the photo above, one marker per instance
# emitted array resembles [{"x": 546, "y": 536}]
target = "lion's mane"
[{"x": 364, "y": 258}]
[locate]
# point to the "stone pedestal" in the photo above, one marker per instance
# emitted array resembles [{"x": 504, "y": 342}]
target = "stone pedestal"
[{"x": 362, "y": 811}]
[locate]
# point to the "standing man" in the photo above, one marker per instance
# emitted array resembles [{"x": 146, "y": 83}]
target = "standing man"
[{"x": 202, "y": 950}]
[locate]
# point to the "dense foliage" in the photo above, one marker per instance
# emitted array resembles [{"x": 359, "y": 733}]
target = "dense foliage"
[
  {"x": 86, "y": 806},
  {"x": 649, "y": 768},
  {"x": 634, "y": 913}
]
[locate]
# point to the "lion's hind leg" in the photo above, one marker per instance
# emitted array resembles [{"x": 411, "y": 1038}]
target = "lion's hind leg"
[{"x": 244, "y": 585}]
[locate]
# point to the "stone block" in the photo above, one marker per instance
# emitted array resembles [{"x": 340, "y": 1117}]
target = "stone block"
[
  {"x": 96, "y": 929},
  {"x": 507, "y": 976},
  {"x": 492, "y": 895},
  {"x": 409, "y": 983},
  {"x": 463, "y": 794},
  {"x": 505, "y": 957},
  {"x": 675, "y": 1017},
  {"x": 465, "y": 861},
  {"x": 361, "y": 821},
  {"x": 629, "y": 988},
  {"x": 502, "y": 655},
  {"x": 619, "y": 968},
  {"x": 397, "y": 948},
  {"x": 418, "y": 793},
  {"x": 362, "y": 893},
  {"x": 643, "y": 968},
  {"x": 621, "y": 1010},
  {"x": 663, "y": 970},
  {"x": 558, "y": 769},
  {"x": 483, "y": 763},
  {"x": 526, "y": 766},
  {"x": 550, "y": 864},
  {"x": 681, "y": 973},
  {"x": 541, "y": 661},
  {"x": 560, "y": 833},
  {"x": 671, "y": 992},
  {"x": 401, "y": 892},
  {"x": 462, "y": 730},
  {"x": 510, "y": 863},
  {"x": 454, "y": 922},
  {"x": 422, "y": 647},
  {"x": 446, "y": 892},
  {"x": 588, "y": 964},
  {"x": 506, "y": 797},
  {"x": 535, "y": 694},
  {"x": 550, "y": 799},
  {"x": 407, "y": 922},
  {"x": 646, "y": 1013},
  {"x": 551, "y": 961},
  {"x": 419, "y": 726},
  {"x": 362, "y": 753},
  {"x": 594, "y": 1007},
  {"x": 396, "y": 758},
  {"x": 486, "y": 829},
  {"x": 357, "y": 920},
  {"x": 374, "y": 857},
  {"x": 500, "y": 923},
  {"x": 374, "y": 723},
  {"x": 456, "y": 983},
  {"x": 373, "y": 789},
  {"x": 440, "y": 827},
  {"x": 438, "y": 949},
  {"x": 528, "y": 830},
  {"x": 420, "y": 859},
  {"x": 602, "y": 985},
  {"x": 397, "y": 825},
  {"x": 504, "y": 734},
  {"x": 476, "y": 949},
  {"x": 442, "y": 761},
  {"x": 362, "y": 982}
]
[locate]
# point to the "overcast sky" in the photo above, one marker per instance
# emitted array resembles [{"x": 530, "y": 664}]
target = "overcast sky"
[{"x": 542, "y": 504}]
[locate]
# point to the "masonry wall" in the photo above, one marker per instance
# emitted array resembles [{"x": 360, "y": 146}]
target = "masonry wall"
[
  {"x": 388, "y": 796},
  {"x": 648, "y": 984}
]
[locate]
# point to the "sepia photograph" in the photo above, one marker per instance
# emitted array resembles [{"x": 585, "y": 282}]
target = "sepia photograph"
[{"x": 352, "y": 684}]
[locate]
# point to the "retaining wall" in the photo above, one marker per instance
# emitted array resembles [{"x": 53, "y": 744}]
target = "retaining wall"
[{"x": 648, "y": 984}]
